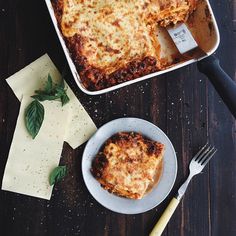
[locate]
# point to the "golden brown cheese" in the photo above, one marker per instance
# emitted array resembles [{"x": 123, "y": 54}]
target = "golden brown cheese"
[
  {"x": 114, "y": 41},
  {"x": 127, "y": 164}
]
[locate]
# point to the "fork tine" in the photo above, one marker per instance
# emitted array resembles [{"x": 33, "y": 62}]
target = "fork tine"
[
  {"x": 206, "y": 160},
  {"x": 204, "y": 157},
  {"x": 203, "y": 153},
  {"x": 199, "y": 152}
]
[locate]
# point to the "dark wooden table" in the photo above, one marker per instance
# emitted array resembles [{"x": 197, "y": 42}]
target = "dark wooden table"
[{"x": 182, "y": 103}]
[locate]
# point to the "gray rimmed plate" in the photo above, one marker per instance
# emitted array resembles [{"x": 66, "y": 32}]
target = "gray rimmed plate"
[{"x": 158, "y": 193}]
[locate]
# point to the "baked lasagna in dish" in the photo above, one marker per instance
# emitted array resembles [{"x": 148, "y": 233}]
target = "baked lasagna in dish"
[
  {"x": 128, "y": 164},
  {"x": 115, "y": 41}
]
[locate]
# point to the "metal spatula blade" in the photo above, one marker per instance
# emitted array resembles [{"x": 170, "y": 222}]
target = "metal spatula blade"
[{"x": 182, "y": 38}]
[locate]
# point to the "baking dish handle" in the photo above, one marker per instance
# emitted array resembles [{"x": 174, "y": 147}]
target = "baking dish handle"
[{"x": 223, "y": 84}]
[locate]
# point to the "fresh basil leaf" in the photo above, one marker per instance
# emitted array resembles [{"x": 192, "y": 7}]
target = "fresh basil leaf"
[
  {"x": 61, "y": 92},
  {"x": 34, "y": 116},
  {"x": 64, "y": 99},
  {"x": 48, "y": 89},
  {"x": 49, "y": 85},
  {"x": 44, "y": 97},
  {"x": 57, "y": 174}
]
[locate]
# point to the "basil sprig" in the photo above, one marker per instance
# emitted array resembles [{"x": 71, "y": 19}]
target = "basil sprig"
[
  {"x": 52, "y": 92},
  {"x": 57, "y": 174},
  {"x": 34, "y": 113}
]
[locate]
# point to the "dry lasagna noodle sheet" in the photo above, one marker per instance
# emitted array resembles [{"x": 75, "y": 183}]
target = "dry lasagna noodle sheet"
[
  {"x": 26, "y": 81},
  {"x": 30, "y": 161}
]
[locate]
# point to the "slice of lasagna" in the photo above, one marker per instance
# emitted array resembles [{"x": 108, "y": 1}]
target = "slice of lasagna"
[
  {"x": 128, "y": 164},
  {"x": 116, "y": 41}
]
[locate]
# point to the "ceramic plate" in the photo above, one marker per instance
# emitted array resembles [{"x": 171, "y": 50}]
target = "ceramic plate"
[{"x": 158, "y": 193}]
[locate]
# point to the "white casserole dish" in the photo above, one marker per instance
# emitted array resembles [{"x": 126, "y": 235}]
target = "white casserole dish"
[{"x": 202, "y": 25}]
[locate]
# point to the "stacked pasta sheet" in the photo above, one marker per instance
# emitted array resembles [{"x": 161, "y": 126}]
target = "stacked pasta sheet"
[{"x": 31, "y": 161}]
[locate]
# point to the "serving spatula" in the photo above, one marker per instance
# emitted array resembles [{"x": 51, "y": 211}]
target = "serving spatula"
[{"x": 208, "y": 65}]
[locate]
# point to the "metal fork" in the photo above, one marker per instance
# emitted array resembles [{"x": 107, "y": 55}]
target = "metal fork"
[{"x": 197, "y": 164}]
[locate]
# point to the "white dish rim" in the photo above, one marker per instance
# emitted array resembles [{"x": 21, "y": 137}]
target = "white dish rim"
[
  {"x": 171, "y": 146},
  {"x": 115, "y": 87}
]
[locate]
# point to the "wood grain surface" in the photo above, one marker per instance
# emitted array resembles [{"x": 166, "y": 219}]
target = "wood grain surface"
[{"x": 182, "y": 103}]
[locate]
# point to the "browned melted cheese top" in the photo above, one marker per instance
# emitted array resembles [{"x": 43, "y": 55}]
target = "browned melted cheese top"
[
  {"x": 114, "y": 33},
  {"x": 128, "y": 164}
]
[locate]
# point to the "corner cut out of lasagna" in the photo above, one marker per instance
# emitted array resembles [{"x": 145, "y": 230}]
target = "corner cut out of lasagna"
[
  {"x": 115, "y": 41},
  {"x": 129, "y": 164}
]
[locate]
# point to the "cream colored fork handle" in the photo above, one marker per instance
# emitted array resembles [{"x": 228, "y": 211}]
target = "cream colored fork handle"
[{"x": 163, "y": 221}]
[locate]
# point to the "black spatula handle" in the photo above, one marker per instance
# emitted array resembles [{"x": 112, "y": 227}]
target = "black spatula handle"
[{"x": 223, "y": 84}]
